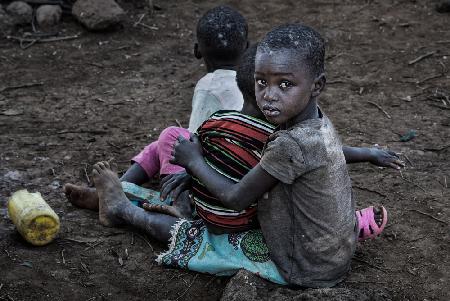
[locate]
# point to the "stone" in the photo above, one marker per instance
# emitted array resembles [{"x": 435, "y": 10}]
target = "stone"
[
  {"x": 20, "y": 11},
  {"x": 245, "y": 286},
  {"x": 47, "y": 16},
  {"x": 98, "y": 14},
  {"x": 6, "y": 22}
]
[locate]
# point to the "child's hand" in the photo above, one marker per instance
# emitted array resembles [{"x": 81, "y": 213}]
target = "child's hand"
[
  {"x": 173, "y": 185},
  {"x": 186, "y": 152},
  {"x": 385, "y": 158}
]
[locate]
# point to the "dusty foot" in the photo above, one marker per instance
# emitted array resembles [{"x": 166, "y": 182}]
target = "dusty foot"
[
  {"x": 83, "y": 197},
  {"x": 112, "y": 199}
]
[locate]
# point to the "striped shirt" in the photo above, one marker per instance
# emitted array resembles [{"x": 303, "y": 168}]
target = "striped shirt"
[{"x": 232, "y": 145}]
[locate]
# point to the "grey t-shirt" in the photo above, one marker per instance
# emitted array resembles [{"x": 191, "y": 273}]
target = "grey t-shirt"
[{"x": 308, "y": 218}]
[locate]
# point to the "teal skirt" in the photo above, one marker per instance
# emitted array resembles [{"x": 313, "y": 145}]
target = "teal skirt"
[{"x": 194, "y": 248}]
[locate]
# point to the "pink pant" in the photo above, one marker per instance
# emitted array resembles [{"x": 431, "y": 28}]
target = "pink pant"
[{"x": 155, "y": 157}]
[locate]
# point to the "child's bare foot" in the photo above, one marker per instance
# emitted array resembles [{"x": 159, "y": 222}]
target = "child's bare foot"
[
  {"x": 111, "y": 196},
  {"x": 83, "y": 197},
  {"x": 371, "y": 221}
]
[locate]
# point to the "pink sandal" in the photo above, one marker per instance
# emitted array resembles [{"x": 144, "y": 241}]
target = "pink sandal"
[{"x": 368, "y": 228}]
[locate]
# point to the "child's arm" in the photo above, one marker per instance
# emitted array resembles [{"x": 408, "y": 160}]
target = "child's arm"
[
  {"x": 376, "y": 156},
  {"x": 236, "y": 196}
]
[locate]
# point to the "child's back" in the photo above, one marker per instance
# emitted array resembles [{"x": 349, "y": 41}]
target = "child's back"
[{"x": 221, "y": 40}]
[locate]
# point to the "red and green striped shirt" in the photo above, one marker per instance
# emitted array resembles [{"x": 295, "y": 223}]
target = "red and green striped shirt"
[{"x": 232, "y": 145}]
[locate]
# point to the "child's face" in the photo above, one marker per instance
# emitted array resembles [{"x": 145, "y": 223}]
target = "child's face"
[{"x": 283, "y": 85}]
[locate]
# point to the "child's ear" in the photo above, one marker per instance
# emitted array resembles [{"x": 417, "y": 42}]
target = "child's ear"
[
  {"x": 318, "y": 85},
  {"x": 197, "y": 53}
]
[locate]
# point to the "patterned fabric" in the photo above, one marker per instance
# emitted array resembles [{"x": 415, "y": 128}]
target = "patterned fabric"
[
  {"x": 193, "y": 247},
  {"x": 232, "y": 145}
]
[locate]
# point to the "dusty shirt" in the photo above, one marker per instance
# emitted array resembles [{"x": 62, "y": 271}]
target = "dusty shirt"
[
  {"x": 215, "y": 91},
  {"x": 308, "y": 219}
]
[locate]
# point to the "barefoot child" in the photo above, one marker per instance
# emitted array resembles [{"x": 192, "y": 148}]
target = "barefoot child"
[
  {"x": 193, "y": 246},
  {"x": 307, "y": 217},
  {"x": 221, "y": 41}
]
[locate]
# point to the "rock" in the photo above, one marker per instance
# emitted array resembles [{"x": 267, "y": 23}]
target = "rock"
[
  {"x": 20, "y": 11},
  {"x": 242, "y": 286},
  {"x": 13, "y": 175},
  {"x": 245, "y": 286},
  {"x": 47, "y": 16},
  {"x": 98, "y": 14},
  {"x": 6, "y": 22}
]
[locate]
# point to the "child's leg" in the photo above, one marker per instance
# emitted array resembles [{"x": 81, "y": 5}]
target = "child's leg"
[
  {"x": 166, "y": 140},
  {"x": 115, "y": 208},
  {"x": 87, "y": 197},
  {"x": 146, "y": 165}
]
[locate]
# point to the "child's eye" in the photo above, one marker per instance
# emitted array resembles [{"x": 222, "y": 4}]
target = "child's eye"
[
  {"x": 261, "y": 82},
  {"x": 285, "y": 84}
]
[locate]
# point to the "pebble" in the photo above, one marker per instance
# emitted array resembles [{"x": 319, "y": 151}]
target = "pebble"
[
  {"x": 99, "y": 14},
  {"x": 21, "y": 12},
  {"x": 47, "y": 16}
]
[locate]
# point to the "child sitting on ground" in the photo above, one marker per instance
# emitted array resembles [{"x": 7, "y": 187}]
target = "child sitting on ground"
[
  {"x": 221, "y": 41},
  {"x": 194, "y": 247},
  {"x": 305, "y": 205}
]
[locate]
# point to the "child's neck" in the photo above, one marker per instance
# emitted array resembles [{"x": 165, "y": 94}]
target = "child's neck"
[
  {"x": 310, "y": 112},
  {"x": 212, "y": 65}
]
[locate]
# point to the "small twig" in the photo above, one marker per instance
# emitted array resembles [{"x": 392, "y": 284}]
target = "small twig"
[
  {"x": 86, "y": 174},
  {"x": 407, "y": 159},
  {"x": 84, "y": 266},
  {"x": 43, "y": 40},
  {"x": 144, "y": 239},
  {"x": 370, "y": 190},
  {"x": 132, "y": 239},
  {"x": 429, "y": 78},
  {"x": 184, "y": 293},
  {"x": 113, "y": 145},
  {"x": 62, "y": 256},
  {"x": 439, "y": 106},
  {"x": 178, "y": 123},
  {"x": 442, "y": 42},
  {"x": 380, "y": 108},
  {"x": 26, "y": 85},
  {"x": 409, "y": 181},
  {"x": 369, "y": 264},
  {"x": 429, "y": 215},
  {"x": 1, "y": 286},
  {"x": 148, "y": 26},
  {"x": 418, "y": 59},
  {"x": 365, "y": 281},
  {"x": 93, "y": 245},
  {"x": 440, "y": 149},
  {"x": 139, "y": 20},
  {"x": 94, "y": 132}
]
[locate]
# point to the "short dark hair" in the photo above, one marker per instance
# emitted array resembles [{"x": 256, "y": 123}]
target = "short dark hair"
[
  {"x": 245, "y": 75},
  {"x": 224, "y": 32},
  {"x": 302, "y": 39}
]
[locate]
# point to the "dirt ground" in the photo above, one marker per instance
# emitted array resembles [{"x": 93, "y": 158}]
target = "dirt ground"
[{"x": 103, "y": 96}]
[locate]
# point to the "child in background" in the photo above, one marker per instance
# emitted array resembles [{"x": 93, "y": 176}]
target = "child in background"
[
  {"x": 221, "y": 41},
  {"x": 305, "y": 205}
]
